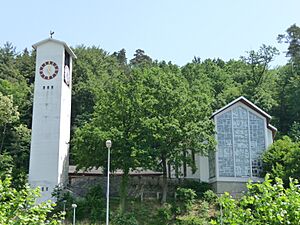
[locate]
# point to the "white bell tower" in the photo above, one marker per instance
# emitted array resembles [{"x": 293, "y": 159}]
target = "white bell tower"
[{"x": 51, "y": 116}]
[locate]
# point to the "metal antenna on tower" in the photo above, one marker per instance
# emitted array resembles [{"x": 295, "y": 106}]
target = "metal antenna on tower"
[{"x": 51, "y": 33}]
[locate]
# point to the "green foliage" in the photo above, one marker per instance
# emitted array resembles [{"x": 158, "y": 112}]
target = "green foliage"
[
  {"x": 91, "y": 206},
  {"x": 140, "y": 59},
  {"x": 184, "y": 200},
  {"x": 8, "y": 112},
  {"x": 197, "y": 213},
  {"x": 116, "y": 116},
  {"x": 265, "y": 203},
  {"x": 292, "y": 37},
  {"x": 19, "y": 207},
  {"x": 191, "y": 220},
  {"x": 289, "y": 81},
  {"x": 164, "y": 214},
  {"x": 6, "y": 165},
  {"x": 281, "y": 159},
  {"x": 210, "y": 196},
  {"x": 124, "y": 219},
  {"x": 199, "y": 187}
]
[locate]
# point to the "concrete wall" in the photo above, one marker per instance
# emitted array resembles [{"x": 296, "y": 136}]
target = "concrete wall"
[{"x": 234, "y": 188}]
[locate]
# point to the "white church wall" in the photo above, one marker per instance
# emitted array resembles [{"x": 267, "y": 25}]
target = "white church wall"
[
  {"x": 202, "y": 172},
  {"x": 269, "y": 137},
  {"x": 189, "y": 172},
  {"x": 204, "y": 169},
  {"x": 65, "y": 124}
]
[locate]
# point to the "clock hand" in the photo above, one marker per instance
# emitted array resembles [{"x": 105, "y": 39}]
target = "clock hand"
[{"x": 49, "y": 69}]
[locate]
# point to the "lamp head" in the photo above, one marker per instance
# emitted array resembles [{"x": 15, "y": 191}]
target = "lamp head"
[
  {"x": 108, "y": 143},
  {"x": 74, "y": 206}
]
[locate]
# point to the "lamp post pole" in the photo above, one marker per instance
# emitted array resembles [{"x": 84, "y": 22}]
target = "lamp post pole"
[
  {"x": 108, "y": 145},
  {"x": 74, "y": 211},
  {"x": 64, "y": 201}
]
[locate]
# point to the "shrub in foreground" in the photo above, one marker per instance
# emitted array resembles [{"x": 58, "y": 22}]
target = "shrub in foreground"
[
  {"x": 17, "y": 207},
  {"x": 266, "y": 203}
]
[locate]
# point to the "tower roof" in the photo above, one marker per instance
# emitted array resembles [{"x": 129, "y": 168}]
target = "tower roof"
[{"x": 68, "y": 49}]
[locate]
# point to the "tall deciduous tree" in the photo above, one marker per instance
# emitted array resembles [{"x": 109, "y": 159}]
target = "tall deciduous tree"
[
  {"x": 15, "y": 108},
  {"x": 260, "y": 83},
  {"x": 288, "y": 110},
  {"x": 292, "y": 38},
  {"x": 116, "y": 116},
  {"x": 175, "y": 119}
]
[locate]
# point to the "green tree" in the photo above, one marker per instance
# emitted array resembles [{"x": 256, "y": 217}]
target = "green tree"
[
  {"x": 15, "y": 107},
  {"x": 91, "y": 69},
  {"x": 19, "y": 207},
  {"x": 140, "y": 58},
  {"x": 260, "y": 81},
  {"x": 281, "y": 159},
  {"x": 292, "y": 38},
  {"x": 8, "y": 114},
  {"x": 25, "y": 63},
  {"x": 6, "y": 164},
  {"x": 289, "y": 82},
  {"x": 116, "y": 116},
  {"x": 175, "y": 119},
  {"x": 294, "y": 132}
]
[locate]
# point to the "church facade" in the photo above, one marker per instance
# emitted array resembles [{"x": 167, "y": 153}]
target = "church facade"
[{"x": 243, "y": 133}]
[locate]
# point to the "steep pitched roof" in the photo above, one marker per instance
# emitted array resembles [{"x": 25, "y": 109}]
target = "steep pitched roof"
[
  {"x": 68, "y": 49},
  {"x": 247, "y": 103}
]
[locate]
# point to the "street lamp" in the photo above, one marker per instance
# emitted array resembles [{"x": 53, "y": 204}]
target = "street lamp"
[
  {"x": 74, "y": 206},
  {"x": 108, "y": 145},
  {"x": 64, "y": 202}
]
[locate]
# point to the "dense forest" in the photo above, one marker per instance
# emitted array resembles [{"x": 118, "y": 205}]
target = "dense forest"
[{"x": 152, "y": 110}]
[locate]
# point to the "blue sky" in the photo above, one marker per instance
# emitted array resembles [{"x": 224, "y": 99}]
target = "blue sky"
[{"x": 171, "y": 30}]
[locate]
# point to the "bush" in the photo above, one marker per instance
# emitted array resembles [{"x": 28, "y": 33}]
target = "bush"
[
  {"x": 266, "y": 203},
  {"x": 281, "y": 159},
  {"x": 197, "y": 215},
  {"x": 210, "y": 196},
  {"x": 184, "y": 200},
  {"x": 191, "y": 220},
  {"x": 91, "y": 207},
  {"x": 199, "y": 187},
  {"x": 124, "y": 219},
  {"x": 19, "y": 207},
  {"x": 164, "y": 214}
]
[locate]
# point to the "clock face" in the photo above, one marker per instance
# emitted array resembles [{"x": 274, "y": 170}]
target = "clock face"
[
  {"x": 49, "y": 70},
  {"x": 67, "y": 75}
]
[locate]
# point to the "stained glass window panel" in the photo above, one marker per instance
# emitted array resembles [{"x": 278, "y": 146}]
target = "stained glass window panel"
[
  {"x": 225, "y": 148},
  {"x": 241, "y": 142}
]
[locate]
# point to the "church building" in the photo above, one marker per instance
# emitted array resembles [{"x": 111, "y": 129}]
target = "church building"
[{"x": 243, "y": 133}]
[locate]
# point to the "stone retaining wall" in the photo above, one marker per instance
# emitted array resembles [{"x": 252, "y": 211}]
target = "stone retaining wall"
[{"x": 138, "y": 186}]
